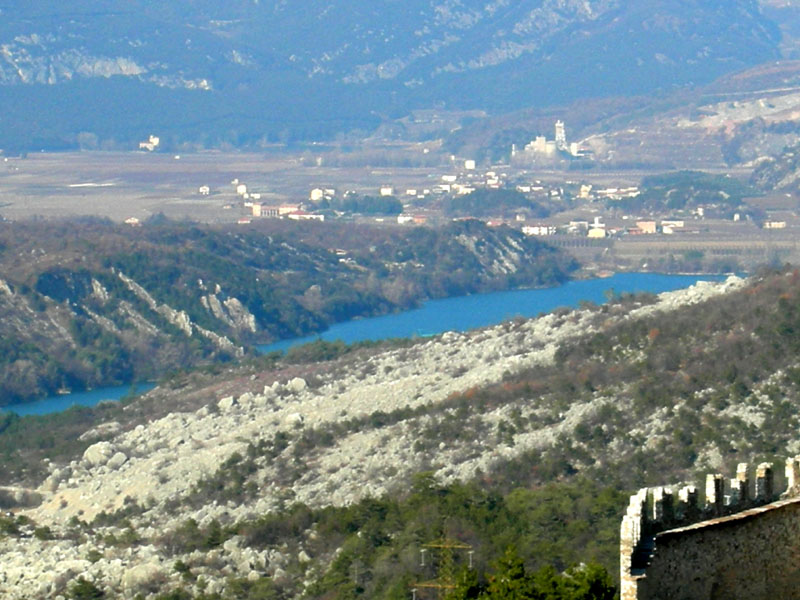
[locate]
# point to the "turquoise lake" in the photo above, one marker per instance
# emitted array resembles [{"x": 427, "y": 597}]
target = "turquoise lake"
[
  {"x": 60, "y": 403},
  {"x": 480, "y": 310},
  {"x": 436, "y": 316}
]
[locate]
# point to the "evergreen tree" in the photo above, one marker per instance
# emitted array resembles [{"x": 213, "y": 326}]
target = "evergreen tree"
[{"x": 510, "y": 581}]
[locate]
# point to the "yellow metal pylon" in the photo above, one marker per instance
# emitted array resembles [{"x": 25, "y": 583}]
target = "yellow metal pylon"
[{"x": 446, "y": 577}]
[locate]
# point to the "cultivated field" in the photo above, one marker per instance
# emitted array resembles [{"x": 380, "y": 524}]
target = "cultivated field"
[{"x": 135, "y": 184}]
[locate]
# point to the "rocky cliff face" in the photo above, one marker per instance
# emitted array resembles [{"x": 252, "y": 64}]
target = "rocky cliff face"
[{"x": 780, "y": 172}]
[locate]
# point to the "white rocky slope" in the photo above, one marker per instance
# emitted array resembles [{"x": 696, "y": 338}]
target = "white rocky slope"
[{"x": 156, "y": 464}]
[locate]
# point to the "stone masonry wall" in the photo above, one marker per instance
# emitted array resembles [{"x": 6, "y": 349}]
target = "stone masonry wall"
[
  {"x": 738, "y": 543},
  {"x": 753, "y": 555}
]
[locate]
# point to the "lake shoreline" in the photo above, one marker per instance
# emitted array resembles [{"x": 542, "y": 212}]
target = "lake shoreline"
[{"x": 433, "y": 317}]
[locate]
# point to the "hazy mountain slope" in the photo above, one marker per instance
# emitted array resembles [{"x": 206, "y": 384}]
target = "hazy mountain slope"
[
  {"x": 241, "y": 72},
  {"x": 779, "y": 172}
]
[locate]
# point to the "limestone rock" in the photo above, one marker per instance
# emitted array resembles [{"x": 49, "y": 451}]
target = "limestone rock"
[
  {"x": 293, "y": 420},
  {"x": 141, "y": 576},
  {"x": 102, "y": 430},
  {"x": 116, "y": 461},
  {"x": 98, "y": 454},
  {"x": 226, "y": 404},
  {"x": 297, "y": 385}
]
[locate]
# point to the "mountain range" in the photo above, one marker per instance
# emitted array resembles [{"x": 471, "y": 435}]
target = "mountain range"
[{"x": 250, "y": 72}]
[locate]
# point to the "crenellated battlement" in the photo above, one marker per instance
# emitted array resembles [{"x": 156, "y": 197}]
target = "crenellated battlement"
[{"x": 653, "y": 511}]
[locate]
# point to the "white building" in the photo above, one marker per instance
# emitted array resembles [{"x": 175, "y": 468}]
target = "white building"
[
  {"x": 301, "y": 215},
  {"x": 539, "y": 230},
  {"x": 151, "y": 143},
  {"x": 775, "y": 225},
  {"x": 597, "y": 233},
  {"x": 286, "y": 209}
]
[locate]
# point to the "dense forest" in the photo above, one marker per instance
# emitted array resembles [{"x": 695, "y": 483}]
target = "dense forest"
[
  {"x": 491, "y": 202},
  {"x": 686, "y": 191}
]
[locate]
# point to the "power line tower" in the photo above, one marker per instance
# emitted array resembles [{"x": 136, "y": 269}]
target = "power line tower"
[{"x": 442, "y": 553}]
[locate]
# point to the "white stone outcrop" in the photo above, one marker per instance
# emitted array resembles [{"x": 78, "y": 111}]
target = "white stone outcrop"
[
  {"x": 143, "y": 575},
  {"x": 226, "y": 403},
  {"x": 296, "y": 385},
  {"x": 116, "y": 461},
  {"x": 98, "y": 454}
]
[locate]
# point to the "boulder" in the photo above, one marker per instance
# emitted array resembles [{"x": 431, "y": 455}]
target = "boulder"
[
  {"x": 102, "y": 430},
  {"x": 75, "y": 567},
  {"x": 98, "y": 454},
  {"x": 141, "y": 576},
  {"x": 231, "y": 545},
  {"x": 51, "y": 484},
  {"x": 226, "y": 403},
  {"x": 293, "y": 420},
  {"x": 116, "y": 461},
  {"x": 297, "y": 385}
]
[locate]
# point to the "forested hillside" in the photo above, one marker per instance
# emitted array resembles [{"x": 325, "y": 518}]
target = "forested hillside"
[{"x": 91, "y": 303}]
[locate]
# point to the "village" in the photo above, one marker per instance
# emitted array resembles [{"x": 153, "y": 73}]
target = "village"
[
  {"x": 544, "y": 189},
  {"x": 593, "y": 214}
]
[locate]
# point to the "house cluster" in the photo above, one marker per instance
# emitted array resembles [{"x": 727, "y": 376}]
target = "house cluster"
[
  {"x": 411, "y": 219},
  {"x": 252, "y": 201},
  {"x": 467, "y": 180},
  {"x": 651, "y": 227},
  {"x": 611, "y": 193},
  {"x": 597, "y": 229}
]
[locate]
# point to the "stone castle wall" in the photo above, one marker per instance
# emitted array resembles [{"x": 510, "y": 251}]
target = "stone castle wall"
[{"x": 739, "y": 544}]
